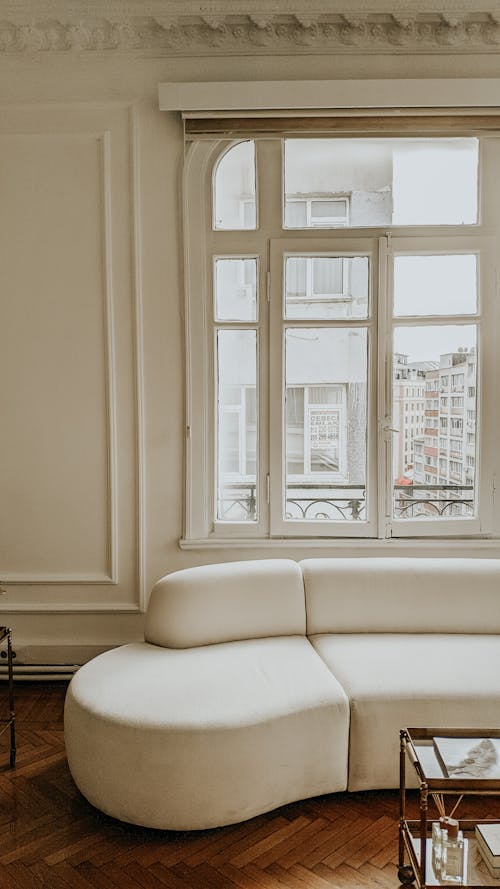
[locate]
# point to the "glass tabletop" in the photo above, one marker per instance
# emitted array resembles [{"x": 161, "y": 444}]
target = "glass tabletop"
[{"x": 464, "y": 760}]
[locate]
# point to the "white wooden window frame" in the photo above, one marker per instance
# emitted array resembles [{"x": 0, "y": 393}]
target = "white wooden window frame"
[
  {"x": 317, "y": 245},
  {"x": 200, "y": 247},
  {"x": 484, "y": 247}
]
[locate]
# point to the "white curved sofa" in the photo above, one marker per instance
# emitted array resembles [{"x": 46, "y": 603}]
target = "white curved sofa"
[{"x": 264, "y": 682}]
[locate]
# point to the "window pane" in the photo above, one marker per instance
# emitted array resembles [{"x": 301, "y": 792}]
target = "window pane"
[
  {"x": 434, "y": 413},
  {"x": 435, "y": 182},
  {"x": 236, "y": 425},
  {"x": 234, "y": 188},
  {"x": 325, "y": 435},
  {"x": 435, "y": 285},
  {"x": 382, "y": 181},
  {"x": 326, "y": 287},
  {"x": 236, "y": 289}
]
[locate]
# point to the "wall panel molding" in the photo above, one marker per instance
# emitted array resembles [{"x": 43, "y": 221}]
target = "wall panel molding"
[
  {"x": 120, "y": 586},
  {"x": 137, "y": 313},
  {"x": 109, "y": 347},
  {"x": 110, "y": 576},
  {"x": 230, "y": 27}
]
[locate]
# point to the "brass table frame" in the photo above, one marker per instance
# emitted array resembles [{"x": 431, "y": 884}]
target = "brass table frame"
[
  {"x": 417, "y": 853},
  {"x": 10, "y": 721}
]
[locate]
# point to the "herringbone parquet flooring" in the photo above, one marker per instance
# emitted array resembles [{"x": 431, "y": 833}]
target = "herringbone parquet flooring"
[{"x": 51, "y": 837}]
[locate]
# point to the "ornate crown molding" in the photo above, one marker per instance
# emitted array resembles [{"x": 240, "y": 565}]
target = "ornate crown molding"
[{"x": 233, "y": 27}]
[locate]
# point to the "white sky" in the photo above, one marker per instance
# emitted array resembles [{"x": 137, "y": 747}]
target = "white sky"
[
  {"x": 433, "y": 184},
  {"x": 429, "y": 342},
  {"x": 435, "y": 285}
]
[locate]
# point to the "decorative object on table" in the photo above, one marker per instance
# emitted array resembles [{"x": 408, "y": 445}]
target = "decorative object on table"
[
  {"x": 488, "y": 843},
  {"x": 448, "y": 844},
  {"x": 469, "y": 757},
  {"x": 452, "y": 854}
]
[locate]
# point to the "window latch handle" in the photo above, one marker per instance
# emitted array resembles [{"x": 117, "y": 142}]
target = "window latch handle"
[{"x": 385, "y": 425}]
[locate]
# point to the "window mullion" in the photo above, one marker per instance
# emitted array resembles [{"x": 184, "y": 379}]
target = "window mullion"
[{"x": 384, "y": 389}]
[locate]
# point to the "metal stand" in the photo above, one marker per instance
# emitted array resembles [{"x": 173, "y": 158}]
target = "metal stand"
[{"x": 10, "y": 721}]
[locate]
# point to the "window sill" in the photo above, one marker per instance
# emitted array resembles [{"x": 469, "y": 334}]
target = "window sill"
[{"x": 463, "y": 547}]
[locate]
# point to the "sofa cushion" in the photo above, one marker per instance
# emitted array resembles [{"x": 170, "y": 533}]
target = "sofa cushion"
[
  {"x": 189, "y": 739},
  {"x": 399, "y": 680},
  {"x": 396, "y": 595},
  {"x": 220, "y": 603}
]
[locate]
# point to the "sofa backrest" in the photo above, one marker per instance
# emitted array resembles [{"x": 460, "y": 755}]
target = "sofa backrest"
[
  {"x": 222, "y": 603},
  {"x": 402, "y": 595}
]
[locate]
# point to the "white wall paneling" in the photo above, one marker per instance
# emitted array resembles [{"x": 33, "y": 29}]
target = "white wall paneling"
[{"x": 70, "y": 487}]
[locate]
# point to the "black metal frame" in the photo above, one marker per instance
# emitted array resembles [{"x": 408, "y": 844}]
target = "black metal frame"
[{"x": 10, "y": 721}]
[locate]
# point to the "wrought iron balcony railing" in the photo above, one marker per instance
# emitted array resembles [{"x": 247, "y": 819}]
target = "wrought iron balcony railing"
[
  {"x": 431, "y": 501},
  {"x": 313, "y": 502}
]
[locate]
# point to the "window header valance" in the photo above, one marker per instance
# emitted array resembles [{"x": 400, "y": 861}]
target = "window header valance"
[{"x": 413, "y": 107}]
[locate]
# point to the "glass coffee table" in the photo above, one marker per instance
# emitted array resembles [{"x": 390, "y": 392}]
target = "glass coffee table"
[{"x": 448, "y": 763}]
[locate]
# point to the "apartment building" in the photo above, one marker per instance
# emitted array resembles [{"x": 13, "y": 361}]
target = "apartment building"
[
  {"x": 447, "y": 452},
  {"x": 409, "y": 404}
]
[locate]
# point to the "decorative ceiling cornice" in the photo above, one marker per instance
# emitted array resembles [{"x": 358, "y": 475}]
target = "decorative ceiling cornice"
[{"x": 235, "y": 27}]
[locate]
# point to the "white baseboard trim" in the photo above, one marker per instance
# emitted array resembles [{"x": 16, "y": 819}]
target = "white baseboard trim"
[
  {"x": 39, "y": 672},
  {"x": 48, "y": 662}
]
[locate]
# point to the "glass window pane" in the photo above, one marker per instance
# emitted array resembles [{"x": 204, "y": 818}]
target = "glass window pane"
[
  {"x": 236, "y": 425},
  {"x": 434, "y": 413},
  {"x": 236, "y": 289},
  {"x": 382, "y": 181},
  {"x": 435, "y": 285},
  {"x": 435, "y": 182},
  {"x": 234, "y": 188},
  {"x": 325, "y": 434},
  {"x": 326, "y": 287}
]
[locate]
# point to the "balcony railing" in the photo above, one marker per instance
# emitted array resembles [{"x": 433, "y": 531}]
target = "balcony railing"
[
  {"x": 313, "y": 502},
  {"x": 433, "y": 501},
  {"x": 305, "y": 502}
]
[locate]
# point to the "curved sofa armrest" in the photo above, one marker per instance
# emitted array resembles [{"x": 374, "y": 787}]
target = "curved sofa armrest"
[{"x": 227, "y": 602}]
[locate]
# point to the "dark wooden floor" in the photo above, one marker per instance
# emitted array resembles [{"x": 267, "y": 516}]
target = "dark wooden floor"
[{"x": 51, "y": 837}]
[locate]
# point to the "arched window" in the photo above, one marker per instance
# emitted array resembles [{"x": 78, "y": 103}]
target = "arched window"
[{"x": 339, "y": 314}]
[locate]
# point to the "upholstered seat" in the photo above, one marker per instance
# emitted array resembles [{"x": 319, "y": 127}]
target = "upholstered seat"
[
  {"x": 195, "y": 738},
  {"x": 395, "y": 680}
]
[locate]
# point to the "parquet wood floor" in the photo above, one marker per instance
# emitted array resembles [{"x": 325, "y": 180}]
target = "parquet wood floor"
[{"x": 51, "y": 837}]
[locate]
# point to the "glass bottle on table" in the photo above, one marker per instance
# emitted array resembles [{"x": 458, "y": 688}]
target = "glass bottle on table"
[{"x": 452, "y": 857}]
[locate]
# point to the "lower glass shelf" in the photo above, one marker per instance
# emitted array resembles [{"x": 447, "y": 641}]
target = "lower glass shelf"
[{"x": 476, "y": 873}]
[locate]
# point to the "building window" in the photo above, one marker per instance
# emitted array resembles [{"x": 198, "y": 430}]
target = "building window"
[
  {"x": 316, "y": 211},
  {"x": 294, "y": 426}
]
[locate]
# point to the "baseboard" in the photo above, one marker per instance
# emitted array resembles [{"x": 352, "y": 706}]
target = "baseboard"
[{"x": 49, "y": 662}]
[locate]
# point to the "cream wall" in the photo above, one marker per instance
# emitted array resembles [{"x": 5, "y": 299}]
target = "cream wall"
[{"x": 92, "y": 336}]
